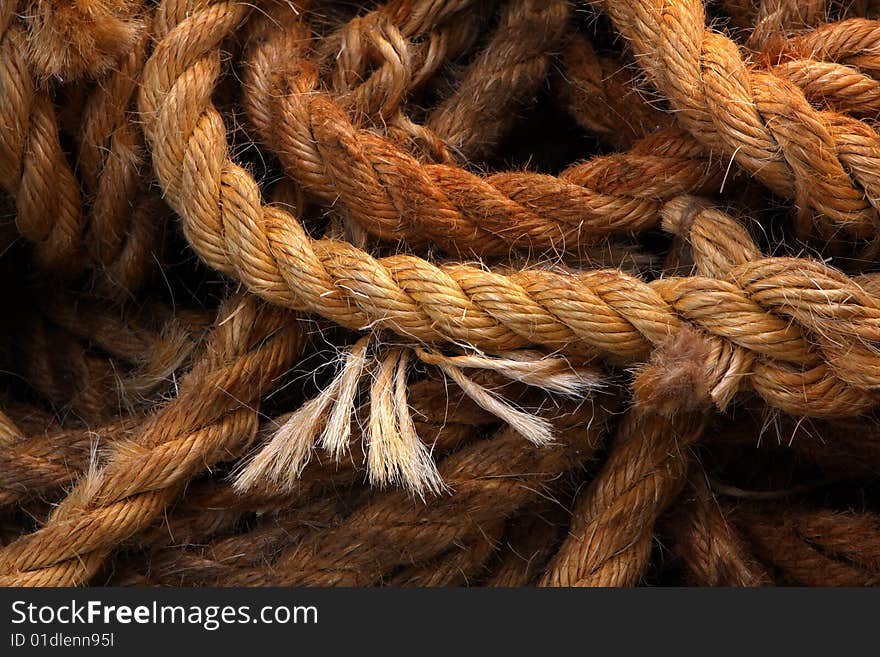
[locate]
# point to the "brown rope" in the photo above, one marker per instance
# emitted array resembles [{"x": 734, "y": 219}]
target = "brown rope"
[
  {"x": 459, "y": 566},
  {"x": 34, "y": 466},
  {"x": 611, "y": 101},
  {"x": 504, "y": 77},
  {"x": 461, "y": 212},
  {"x": 33, "y": 168},
  {"x": 776, "y": 17},
  {"x": 377, "y": 122},
  {"x": 529, "y": 542},
  {"x": 198, "y": 567},
  {"x": 612, "y": 527},
  {"x": 443, "y": 420},
  {"x": 815, "y": 548},
  {"x": 376, "y": 60},
  {"x": 121, "y": 226},
  {"x": 125, "y": 216},
  {"x": 68, "y": 39},
  {"x": 759, "y": 120},
  {"x": 605, "y": 97},
  {"x": 240, "y": 236},
  {"x": 95, "y": 361},
  {"x": 709, "y": 549},
  {"x": 211, "y": 419}
]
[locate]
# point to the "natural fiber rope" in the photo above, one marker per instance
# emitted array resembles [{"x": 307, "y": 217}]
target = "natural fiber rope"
[
  {"x": 460, "y": 211},
  {"x": 459, "y": 566},
  {"x": 121, "y": 226},
  {"x": 710, "y": 550},
  {"x": 815, "y": 548},
  {"x": 72, "y": 39},
  {"x": 608, "y": 99},
  {"x": 612, "y": 527},
  {"x": 211, "y": 419},
  {"x": 35, "y": 466},
  {"x": 529, "y": 542},
  {"x": 382, "y": 120},
  {"x": 125, "y": 216},
  {"x": 444, "y": 421},
  {"x": 605, "y": 97},
  {"x": 219, "y": 558},
  {"x": 409, "y": 57},
  {"x": 648, "y": 466},
  {"x": 503, "y": 78},
  {"x": 776, "y": 17},
  {"x": 756, "y": 118},
  {"x": 267, "y": 249},
  {"x": 33, "y": 168},
  {"x": 93, "y": 360}
]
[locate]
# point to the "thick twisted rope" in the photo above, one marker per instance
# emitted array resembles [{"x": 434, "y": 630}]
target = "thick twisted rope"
[
  {"x": 800, "y": 334},
  {"x": 843, "y": 87},
  {"x": 401, "y": 199},
  {"x": 814, "y": 547},
  {"x": 121, "y": 224},
  {"x": 446, "y": 426},
  {"x": 460, "y": 566},
  {"x": 612, "y": 529},
  {"x": 759, "y": 120},
  {"x": 834, "y": 65},
  {"x": 776, "y": 17},
  {"x": 94, "y": 360},
  {"x": 529, "y": 542},
  {"x": 219, "y": 558},
  {"x": 503, "y": 78},
  {"x": 33, "y": 168},
  {"x": 70, "y": 39},
  {"x": 505, "y": 553},
  {"x": 444, "y": 421},
  {"x": 213, "y": 418},
  {"x": 409, "y": 56},
  {"x": 125, "y": 216},
  {"x": 710, "y": 550},
  {"x": 852, "y": 42},
  {"x": 719, "y": 247},
  {"x": 62, "y": 371},
  {"x": 34, "y": 466},
  {"x": 611, "y": 312},
  {"x": 605, "y": 97},
  {"x": 612, "y": 532}
]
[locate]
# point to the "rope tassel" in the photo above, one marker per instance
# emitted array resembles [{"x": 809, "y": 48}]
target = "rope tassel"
[
  {"x": 282, "y": 459},
  {"x": 395, "y": 455}
]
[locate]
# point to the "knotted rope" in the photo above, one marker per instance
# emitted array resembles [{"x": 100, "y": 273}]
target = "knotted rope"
[
  {"x": 417, "y": 212},
  {"x": 608, "y": 311}
]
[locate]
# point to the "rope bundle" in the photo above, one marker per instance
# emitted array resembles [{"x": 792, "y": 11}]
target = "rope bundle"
[{"x": 509, "y": 293}]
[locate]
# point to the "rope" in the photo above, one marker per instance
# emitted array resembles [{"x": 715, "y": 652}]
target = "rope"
[
  {"x": 250, "y": 348},
  {"x": 759, "y": 120},
  {"x": 460, "y": 244}
]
